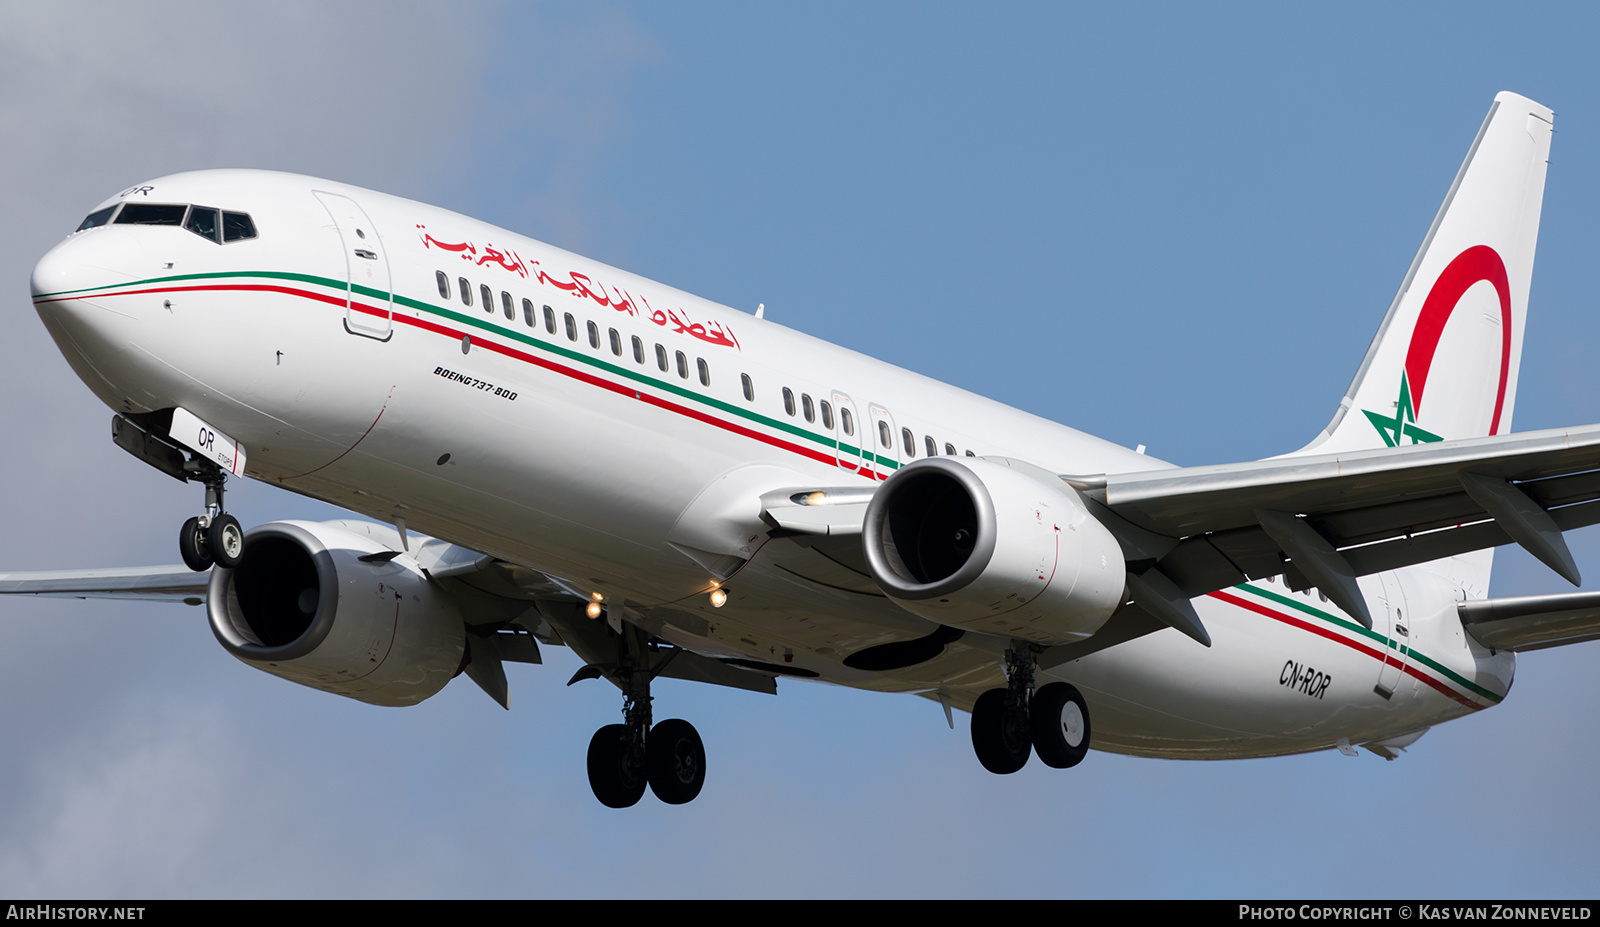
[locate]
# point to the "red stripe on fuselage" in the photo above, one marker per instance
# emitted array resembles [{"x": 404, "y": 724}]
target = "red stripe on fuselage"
[
  {"x": 507, "y": 350},
  {"x": 1332, "y": 635},
  {"x": 660, "y": 402}
]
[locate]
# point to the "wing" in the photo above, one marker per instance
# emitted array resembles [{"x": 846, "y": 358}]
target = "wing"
[
  {"x": 562, "y": 619},
  {"x": 150, "y": 584},
  {"x": 1324, "y": 520},
  {"x": 506, "y": 608}
]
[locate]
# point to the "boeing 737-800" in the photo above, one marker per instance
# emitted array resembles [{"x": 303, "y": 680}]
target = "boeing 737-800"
[{"x": 556, "y": 452}]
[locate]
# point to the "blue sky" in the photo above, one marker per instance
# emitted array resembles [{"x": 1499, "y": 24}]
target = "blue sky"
[{"x": 1175, "y": 225}]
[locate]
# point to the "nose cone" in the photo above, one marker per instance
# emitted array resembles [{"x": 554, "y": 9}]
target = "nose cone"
[
  {"x": 74, "y": 290},
  {"x": 55, "y": 272},
  {"x": 85, "y": 262}
]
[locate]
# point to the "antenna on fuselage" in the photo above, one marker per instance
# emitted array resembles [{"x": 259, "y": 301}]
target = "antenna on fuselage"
[{"x": 761, "y": 310}]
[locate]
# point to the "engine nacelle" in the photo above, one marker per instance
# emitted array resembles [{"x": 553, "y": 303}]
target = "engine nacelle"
[
  {"x": 995, "y": 546},
  {"x": 302, "y": 605}
]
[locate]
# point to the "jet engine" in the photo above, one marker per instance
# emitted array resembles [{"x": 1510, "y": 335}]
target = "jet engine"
[
  {"x": 993, "y": 545},
  {"x": 338, "y": 611}
]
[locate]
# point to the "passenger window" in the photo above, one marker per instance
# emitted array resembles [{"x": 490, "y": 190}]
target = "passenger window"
[
  {"x": 827, "y": 415},
  {"x": 661, "y": 358},
  {"x": 683, "y": 365},
  {"x": 507, "y": 306},
  {"x": 594, "y": 336},
  {"x": 806, "y": 409},
  {"x": 549, "y": 320},
  {"x": 909, "y": 442},
  {"x": 488, "y": 297},
  {"x": 203, "y": 222},
  {"x": 466, "y": 291},
  {"x": 846, "y": 419},
  {"x": 884, "y": 438},
  {"x": 444, "y": 284},
  {"x": 949, "y": 450},
  {"x": 749, "y": 387},
  {"x": 638, "y": 350},
  {"x": 236, "y": 226},
  {"x": 97, "y": 218},
  {"x": 788, "y": 400},
  {"x": 572, "y": 327},
  {"x": 705, "y": 371},
  {"x": 616, "y": 343},
  {"x": 933, "y": 449},
  {"x": 970, "y": 454},
  {"x": 527, "y": 314}
]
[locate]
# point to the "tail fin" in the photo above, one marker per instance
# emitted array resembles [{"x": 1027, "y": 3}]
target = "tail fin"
[{"x": 1444, "y": 363}]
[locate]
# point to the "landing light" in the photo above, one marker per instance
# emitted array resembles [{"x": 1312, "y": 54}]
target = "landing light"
[
  {"x": 718, "y": 597},
  {"x": 593, "y": 611}
]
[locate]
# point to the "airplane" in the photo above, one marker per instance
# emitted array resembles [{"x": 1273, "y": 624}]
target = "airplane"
[{"x": 547, "y": 451}]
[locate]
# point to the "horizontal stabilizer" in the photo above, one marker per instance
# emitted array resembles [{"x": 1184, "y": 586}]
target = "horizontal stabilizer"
[{"x": 1533, "y": 622}]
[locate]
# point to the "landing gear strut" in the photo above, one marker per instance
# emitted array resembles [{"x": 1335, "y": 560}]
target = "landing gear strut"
[
  {"x": 215, "y": 537},
  {"x": 1011, "y": 723},
  {"x": 623, "y": 758}
]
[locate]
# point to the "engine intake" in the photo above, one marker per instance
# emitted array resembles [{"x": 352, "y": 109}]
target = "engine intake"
[
  {"x": 303, "y": 605},
  {"x": 993, "y": 545}
]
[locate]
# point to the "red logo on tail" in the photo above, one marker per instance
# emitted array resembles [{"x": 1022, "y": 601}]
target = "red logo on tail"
[{"x": 1479, "y": 262}]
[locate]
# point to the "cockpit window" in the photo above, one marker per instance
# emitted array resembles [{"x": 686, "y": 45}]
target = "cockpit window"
[
  {"x": 97, "y": 218},
  {"x": 203, "y": 222},
  {"x": 208, "y": 222},
  {"x": 237, "y": 226},
  {"x": 150, "y": 214}
]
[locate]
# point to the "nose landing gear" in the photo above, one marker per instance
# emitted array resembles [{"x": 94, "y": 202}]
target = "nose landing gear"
[
  {"x": 215, "y": 537},
  {"x": 190, "y": 453}
]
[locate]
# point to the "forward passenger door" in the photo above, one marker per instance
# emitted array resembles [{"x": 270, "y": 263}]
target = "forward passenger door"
[{"x": 369, "y": 289}]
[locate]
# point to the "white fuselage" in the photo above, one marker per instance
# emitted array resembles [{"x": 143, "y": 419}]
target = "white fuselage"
[{"x": 580, "y": 458}]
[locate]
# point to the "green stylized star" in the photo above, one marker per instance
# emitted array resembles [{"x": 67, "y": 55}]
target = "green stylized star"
[{"x": 1404, "y": 423}]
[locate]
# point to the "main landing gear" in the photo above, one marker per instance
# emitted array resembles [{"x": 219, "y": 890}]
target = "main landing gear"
[
  {"x": 215, "y": 537},
  {"x": 624, "y": 758},
  {"x": 1011, "y": 723}
]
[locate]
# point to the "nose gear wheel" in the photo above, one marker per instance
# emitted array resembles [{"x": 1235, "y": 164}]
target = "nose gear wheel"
[
  {"x": 215, "y": 537},
  {"x": 193, "y": 546}
]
